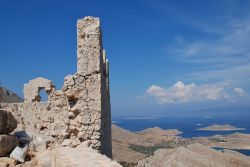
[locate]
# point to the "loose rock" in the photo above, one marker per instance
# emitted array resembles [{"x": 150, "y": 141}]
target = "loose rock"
[
  {"x": 7, "y": 144},
  {"x": 19, "y": 153},
  {"x": 7, "y": 122}
]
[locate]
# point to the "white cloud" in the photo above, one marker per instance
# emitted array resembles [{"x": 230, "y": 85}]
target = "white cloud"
[
  {"x": 180, "y": 92},
  {"x": 239, "y": 91}
]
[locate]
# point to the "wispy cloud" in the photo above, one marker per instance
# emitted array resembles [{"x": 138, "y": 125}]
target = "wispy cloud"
[
  {"x": 227, "y": 48},
  {"x": 239, "y": 91},
  {"x": 223, "y": 57}
]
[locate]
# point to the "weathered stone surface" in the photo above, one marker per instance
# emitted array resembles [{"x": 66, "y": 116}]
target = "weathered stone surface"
[
  {"x": 7, "y": 122},
  {"x": 81, "y": 156},
  {"x": 7, "y": 144},
  {"x": 7, "y": 162},
  {"x": 89, "y": 45},
  {"x": 44, "y": 159}
]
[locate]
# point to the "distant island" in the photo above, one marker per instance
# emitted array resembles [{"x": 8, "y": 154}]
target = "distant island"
[
  {"x": 217, "y": 127},
  {"x": 159, "y": 131}
]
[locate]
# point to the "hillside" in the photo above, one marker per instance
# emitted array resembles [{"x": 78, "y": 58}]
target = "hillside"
[
  {"x": 7, "y": 96},
  {"x": 195, "y": 155},
  {"x": 164, "y": 148},
  {"x": 232, "y": 141},
  {"x": 125, "y": 142}
]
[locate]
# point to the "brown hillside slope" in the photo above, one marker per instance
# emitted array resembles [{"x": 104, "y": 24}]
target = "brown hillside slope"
[
  {"x": 122, "y": 139},
  {"x": 195, "y": 155}
]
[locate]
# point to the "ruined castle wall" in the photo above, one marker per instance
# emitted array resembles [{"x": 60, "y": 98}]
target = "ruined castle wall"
[
  {"x": 92, "y": 62},
  {"x": 48, "y": 127},
  {"x": 79, "y": 113}
]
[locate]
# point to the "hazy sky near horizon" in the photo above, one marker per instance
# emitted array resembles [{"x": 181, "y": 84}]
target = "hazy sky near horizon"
[{"x": 164, "y": 55}]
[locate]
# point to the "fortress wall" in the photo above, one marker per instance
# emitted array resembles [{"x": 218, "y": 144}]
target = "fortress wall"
[{"x": 79, "y": 113}]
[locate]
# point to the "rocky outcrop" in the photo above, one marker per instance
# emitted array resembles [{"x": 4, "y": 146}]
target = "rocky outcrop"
[
  {"x": 7, "y": 96},
  {"x": 194, "y": 155}
]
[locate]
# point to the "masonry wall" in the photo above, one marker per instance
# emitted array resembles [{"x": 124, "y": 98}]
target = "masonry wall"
[
  {"x": 92, "y": 62},
  {"x": 79, "y": 113}
]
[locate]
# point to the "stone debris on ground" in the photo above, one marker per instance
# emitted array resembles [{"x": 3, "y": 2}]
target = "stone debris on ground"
[{"x": 7, "y": 124}]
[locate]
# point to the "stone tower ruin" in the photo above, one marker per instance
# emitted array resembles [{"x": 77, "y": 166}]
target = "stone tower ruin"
[{"x": 79, "y": 113}]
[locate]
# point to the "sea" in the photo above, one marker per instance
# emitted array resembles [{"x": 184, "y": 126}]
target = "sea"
[{"x": 188, "y": 125}]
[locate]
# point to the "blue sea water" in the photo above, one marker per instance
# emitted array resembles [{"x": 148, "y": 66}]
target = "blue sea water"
[
  {"x": 187, "y": 125},
  {"x": 242, "y": 151}
]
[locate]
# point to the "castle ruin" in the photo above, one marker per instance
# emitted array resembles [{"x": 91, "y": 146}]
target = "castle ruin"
[{"x": 79, "y": 113}]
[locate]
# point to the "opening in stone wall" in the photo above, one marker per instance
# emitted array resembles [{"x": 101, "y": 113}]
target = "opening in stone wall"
[
  {"x": 43, "y": 95},
  {"x": 72, "y": 102}
]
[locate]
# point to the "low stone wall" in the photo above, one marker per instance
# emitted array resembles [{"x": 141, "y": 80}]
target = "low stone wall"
[{"x": 55, "y": 122}]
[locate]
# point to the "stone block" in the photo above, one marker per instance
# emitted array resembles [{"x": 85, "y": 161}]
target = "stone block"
[
  {"x": 7, "y": 144},
  {"x": 7, "y": 122},
  {"x": 19, "y": 153}
]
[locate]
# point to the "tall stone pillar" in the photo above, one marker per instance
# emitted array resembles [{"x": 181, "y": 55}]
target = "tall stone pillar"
[
  {"x": 89, "y": 45},
  {"x": 91, "y": 63}
]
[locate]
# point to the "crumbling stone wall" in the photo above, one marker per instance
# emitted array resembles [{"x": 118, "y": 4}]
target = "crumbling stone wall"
[
  {"x": 79, "y": 113},
  {"x": 31, "y": 90}
]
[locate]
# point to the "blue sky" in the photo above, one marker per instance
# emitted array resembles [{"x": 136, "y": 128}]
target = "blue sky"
[{"x": 166, "y": 56}]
